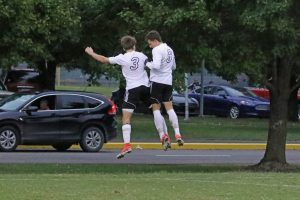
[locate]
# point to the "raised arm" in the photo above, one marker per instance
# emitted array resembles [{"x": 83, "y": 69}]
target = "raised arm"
[{"x": 97, "y": 57}]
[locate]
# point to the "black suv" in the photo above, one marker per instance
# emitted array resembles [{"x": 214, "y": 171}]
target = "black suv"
[{"x": 57, "y": 118}]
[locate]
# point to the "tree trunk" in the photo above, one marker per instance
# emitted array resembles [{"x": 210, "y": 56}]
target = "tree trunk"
[
  {"x": 274, "y": 158},
  {"x": 293, "y": 106},
  {"x": 51, "y": 72},
  {"x": 48, "y": 73},
  {"x": 293, "y": 101}
]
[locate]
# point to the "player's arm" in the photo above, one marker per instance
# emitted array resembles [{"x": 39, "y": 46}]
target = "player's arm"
[
  {"x": 97, "y": 57},
  {"x": 174, "y": 64},
  {"x": 155, "y": 64}
]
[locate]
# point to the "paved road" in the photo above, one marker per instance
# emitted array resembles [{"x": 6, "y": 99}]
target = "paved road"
[{"x": 143, "y": 157}]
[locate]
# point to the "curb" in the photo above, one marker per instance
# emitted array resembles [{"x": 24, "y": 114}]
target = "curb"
[
  {"x": 202, "y": 146},
  {"x": 187, "y": 146}
]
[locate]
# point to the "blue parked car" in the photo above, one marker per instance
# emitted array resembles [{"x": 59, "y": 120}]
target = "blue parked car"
[{"x": 228, "y": 102}]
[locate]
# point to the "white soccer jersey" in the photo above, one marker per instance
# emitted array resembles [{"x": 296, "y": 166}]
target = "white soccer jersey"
[
  {"x": 162, "y": 65},
  {"x": 133, "y": 68}
]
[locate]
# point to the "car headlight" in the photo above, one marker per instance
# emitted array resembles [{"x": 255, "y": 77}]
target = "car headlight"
[{"x": 248, "y": 103}]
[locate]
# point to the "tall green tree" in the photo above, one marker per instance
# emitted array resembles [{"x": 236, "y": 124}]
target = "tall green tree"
[
  {"x": 187, "y": 26},
  {"x": 38, "y": 32},
  {"x": 101, "y": 29},
  {"x": 262, "y": 38}
]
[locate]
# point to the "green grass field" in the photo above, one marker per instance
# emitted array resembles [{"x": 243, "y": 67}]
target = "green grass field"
[
  {"x": 138, "y": 182},
  {"x": 211, "y": 129}
]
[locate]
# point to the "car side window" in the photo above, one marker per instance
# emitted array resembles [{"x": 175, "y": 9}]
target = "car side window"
[
  {"x": 220, "y": 91},
  {"x": 91, "y": 103},
  {"x": 45, "y": 103},
  {"x": 198, "y": 90},
  {"x": 71, "y": 102},
  {"x": 208, "y": 90}
]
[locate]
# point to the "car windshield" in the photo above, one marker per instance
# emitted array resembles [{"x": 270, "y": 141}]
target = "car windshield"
[
  {"x": 22, "y": 76},
  {"x": 233, "y": 92},
  {"x": 14, "y": 102},
  {"x": 246, "y": 92}
]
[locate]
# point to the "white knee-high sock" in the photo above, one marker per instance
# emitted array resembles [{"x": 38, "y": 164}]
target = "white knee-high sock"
[
  {"x": 165, "y": 128},
  {"x": 126, "y": 130},
  {"x": 174, "y": 121},
  {"x": 159, "y": 122}
]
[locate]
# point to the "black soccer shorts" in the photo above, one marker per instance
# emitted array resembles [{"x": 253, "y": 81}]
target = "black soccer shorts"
[
  {"x": 160, "y": 93},
  {"x": 135, "y": 96}
]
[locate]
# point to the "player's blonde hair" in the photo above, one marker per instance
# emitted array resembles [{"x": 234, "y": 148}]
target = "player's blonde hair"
[{"x": 128, "y": 42}]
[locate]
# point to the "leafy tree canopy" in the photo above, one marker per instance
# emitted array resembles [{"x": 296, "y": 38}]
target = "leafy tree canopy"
[{"x": 33, "y": 30}]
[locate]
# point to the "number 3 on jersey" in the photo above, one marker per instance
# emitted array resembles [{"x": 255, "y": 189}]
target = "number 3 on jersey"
[{"x": 135, "y": 63}]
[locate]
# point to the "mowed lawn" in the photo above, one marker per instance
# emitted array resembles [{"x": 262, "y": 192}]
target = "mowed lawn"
[
  {"x": 138, "y": 182},
  {"x": 212, "y": 129}
]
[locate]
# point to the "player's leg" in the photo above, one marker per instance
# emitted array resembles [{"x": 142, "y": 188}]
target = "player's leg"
[
  {"x": 145, "y": 98},
  {"x": 167, "y": 101},
  {"x": 127, "y": 110},
  {"x": 126, "y": 131},
  {"x": 159, "y": 121}
]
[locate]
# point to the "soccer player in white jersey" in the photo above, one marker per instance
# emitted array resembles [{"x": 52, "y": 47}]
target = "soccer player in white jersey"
[
  {"x": 161, "y": 86},
  {"x": 137, "y": 83}
]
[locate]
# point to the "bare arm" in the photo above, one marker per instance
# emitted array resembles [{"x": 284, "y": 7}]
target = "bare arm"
[
  {"x": 97, "y": 57},
  {"x": 174, "y": 64}
]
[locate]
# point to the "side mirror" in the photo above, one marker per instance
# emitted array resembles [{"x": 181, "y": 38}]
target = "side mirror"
[{"x": 30, "y": 109}]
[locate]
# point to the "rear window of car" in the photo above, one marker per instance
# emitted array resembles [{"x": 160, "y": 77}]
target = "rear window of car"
[
  {"x": 92, "y": 103},
  {"x": 22, "y": 76},
  {"x": 71, "y": 102}
]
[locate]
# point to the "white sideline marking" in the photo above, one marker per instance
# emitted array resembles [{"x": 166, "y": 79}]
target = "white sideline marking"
[{"x": 193, "y": 155}]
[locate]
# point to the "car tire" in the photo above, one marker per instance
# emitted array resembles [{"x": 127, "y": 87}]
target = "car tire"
[
  {"x": 9, "y": 138},
  {"x": 92, "y": 139},
  {"x": 234, "y": 112},
  {"x": 61, "y": 147}
]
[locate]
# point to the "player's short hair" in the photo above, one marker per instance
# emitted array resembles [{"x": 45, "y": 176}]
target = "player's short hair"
[
  {"x": 153, "y": 35},
  {"x": 128, "y": 42}
]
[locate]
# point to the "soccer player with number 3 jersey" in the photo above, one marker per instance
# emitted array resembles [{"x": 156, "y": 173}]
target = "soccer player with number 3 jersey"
[{"x": 137, "y": 83}]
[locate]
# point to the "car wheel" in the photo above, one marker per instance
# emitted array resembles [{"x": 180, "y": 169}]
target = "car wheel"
[
  {"x": 92, "y": 139},
  {"x": 9, "y": 138},
  {"x": 61, "y": 147},
  {"x": 234, "y": 112}
]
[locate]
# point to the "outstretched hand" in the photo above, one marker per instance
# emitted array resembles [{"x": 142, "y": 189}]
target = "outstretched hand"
[{"x": 89, "y": 50}]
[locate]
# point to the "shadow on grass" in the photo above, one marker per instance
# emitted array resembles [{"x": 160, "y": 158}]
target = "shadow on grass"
[{"x": 119, "y": 169}]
